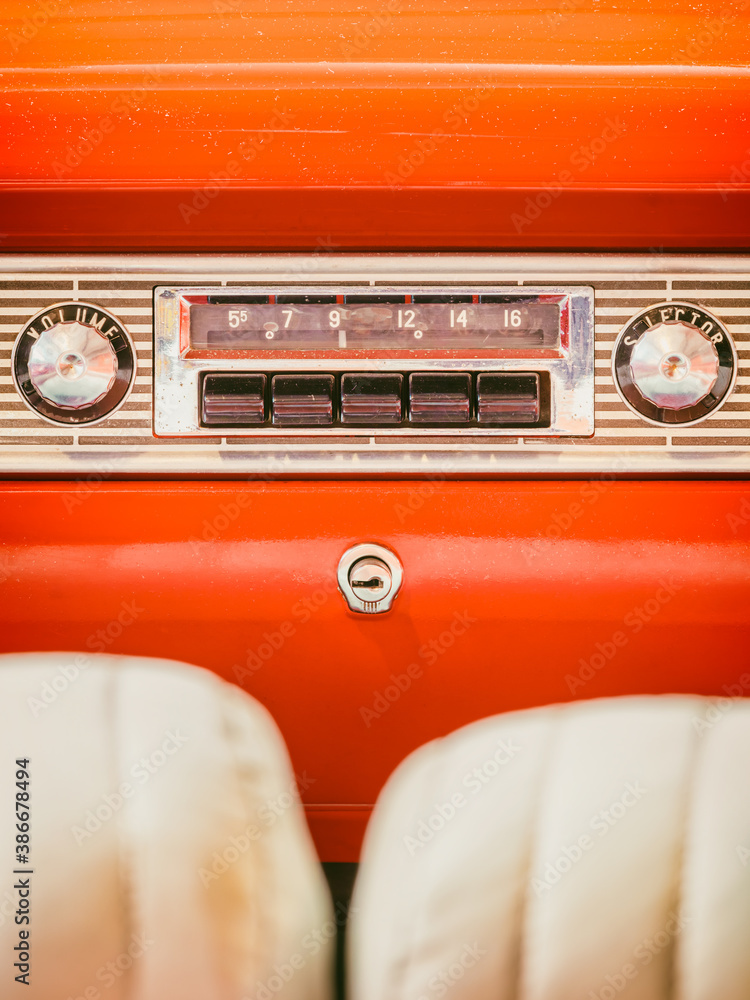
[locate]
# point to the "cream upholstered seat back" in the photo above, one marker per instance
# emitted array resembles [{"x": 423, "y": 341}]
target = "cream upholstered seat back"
[
  {"x": 591, "y": 851},
  {"x": 168, "y": 849}
]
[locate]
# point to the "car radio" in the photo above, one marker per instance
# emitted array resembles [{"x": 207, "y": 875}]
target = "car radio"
[
  {"x": 441, "y": 365},
  {"x": 396, "y": 360}
]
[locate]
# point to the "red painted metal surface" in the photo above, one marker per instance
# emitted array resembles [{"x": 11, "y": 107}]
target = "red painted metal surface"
[
  {"x": 229, "y": 125},
  {"x": 515, "y": 594}
]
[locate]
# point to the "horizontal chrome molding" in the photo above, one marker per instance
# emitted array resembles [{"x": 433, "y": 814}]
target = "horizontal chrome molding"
[
  {"x": 339, "y": 75},
  {"x": 381, "y": 267}
]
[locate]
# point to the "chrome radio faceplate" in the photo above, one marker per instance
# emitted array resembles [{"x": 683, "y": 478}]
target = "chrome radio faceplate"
[
  {"x": 669, "y": 331},
  {"x": 482, "y": 360}
]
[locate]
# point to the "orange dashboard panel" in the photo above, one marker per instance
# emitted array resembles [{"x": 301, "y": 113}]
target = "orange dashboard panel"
[
  {"x": 229, "y": 125},
  {"x": 513, "y": 595}
]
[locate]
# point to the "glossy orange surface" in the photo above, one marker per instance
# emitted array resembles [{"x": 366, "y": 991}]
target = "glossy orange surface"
[
  {"x": 515, "y": 594},
  {"x": 231, "y": 124}
]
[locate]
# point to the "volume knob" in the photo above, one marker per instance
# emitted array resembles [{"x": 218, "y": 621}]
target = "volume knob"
[{"x": 73, "y": 363}]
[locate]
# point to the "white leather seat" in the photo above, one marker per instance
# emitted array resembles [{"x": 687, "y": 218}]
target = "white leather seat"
[
  {"x": 579, "y": 852},
  {"x": 169, "y": 851}
]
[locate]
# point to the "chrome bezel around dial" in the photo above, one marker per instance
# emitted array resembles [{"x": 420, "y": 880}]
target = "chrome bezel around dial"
[
  {"x": 628, "y": 391},
  {"x": 104, "y": 407}
]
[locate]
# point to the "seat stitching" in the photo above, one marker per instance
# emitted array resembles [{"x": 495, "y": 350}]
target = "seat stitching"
[
  {"x": 553, "y": 736},
  {"x": 401, "y": 971},
  {"x": 125, "y": 872},
  {"x": 697, "y": 749},
  {"x": 225, "y": 697}
]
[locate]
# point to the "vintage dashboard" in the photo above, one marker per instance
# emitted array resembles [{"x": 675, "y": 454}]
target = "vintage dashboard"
[
  {"x": 442, "y": 365},
  {"x": 393, "y": 365}
]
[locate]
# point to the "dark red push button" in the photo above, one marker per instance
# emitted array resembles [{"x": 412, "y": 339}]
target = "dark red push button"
[
  {"x": 302, "y": 400},
  {"x": 507, "y": 399},
  {"x": 440, "y": 398},
  {"x": 373, "y": 400},
  {"x": 233, "y": 400}
]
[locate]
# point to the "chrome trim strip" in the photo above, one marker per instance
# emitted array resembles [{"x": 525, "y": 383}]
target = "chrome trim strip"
[{"x": 378, "y": 267}]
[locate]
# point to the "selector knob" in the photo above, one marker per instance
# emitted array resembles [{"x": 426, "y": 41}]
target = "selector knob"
[
  {"x": 74, "y": 363},
  {"x": 674, "y": 364}
]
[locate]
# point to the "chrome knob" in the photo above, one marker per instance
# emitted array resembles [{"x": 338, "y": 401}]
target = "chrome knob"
[
  {"x": 674, "y": 365},
  {"x": 72, "y": 365}
]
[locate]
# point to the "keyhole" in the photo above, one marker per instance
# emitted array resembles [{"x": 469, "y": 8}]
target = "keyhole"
[{"x": 372, "y": 584}]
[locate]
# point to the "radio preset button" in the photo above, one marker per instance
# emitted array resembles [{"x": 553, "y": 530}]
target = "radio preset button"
[
  {"x": 233, "y": 400},
  {"x": 440, "y": 399},
  {"x": 507, "y": 399},
  {"x": 302, "y": 400},
  {"x": 371, "y": 399}
]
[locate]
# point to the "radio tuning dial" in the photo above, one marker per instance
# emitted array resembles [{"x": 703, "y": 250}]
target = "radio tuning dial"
[
  {"x": 73, "y": 363},
  {"x": 674, "y": 364}
]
